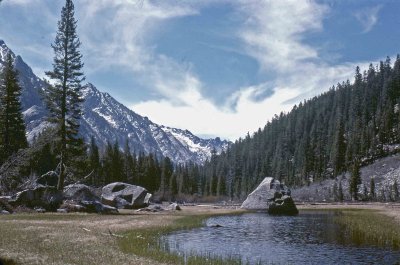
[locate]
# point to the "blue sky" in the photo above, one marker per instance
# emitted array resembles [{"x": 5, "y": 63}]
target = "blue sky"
[{"x": 215, "y": 67}]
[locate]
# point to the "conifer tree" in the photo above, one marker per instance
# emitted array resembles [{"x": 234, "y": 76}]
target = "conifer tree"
[
  {"x": 129, "y": 164},
  {"x": 64, "y": 97},
  {"x": 372, "y": 189},
  {"x": 12, "y": 127},
  {"x": 355, "y": 179},
  {"x": 94, "y": 161},
  {"x": 341, "y": 195}
]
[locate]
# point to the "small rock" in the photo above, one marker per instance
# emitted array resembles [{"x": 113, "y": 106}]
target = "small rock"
[
  {"x": 147, "y": 198},
  {"x": 174, "y": 207},
  {"x": 62, "y": 210},
  {"x": 4, "y": 212},
  {"x": 71, "y": 206},
  {"x": 40, "y": 210},
  {"x": 155, "y": 208},
  {"x": 216, "y": 225},
  {"x": 98, "y": 207}
]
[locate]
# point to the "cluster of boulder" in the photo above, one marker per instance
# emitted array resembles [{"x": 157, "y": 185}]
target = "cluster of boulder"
[
  {"x": 44, "y": 196},
  {"x": 273, "y": 196}
]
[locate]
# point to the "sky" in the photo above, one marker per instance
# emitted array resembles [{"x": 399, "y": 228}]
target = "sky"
[{"x": 215, "y": 67}]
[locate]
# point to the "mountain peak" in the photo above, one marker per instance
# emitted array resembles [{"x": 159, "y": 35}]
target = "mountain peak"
[
  {"x": 107, "y": 120},
  {"x": 4, "y": 50}
]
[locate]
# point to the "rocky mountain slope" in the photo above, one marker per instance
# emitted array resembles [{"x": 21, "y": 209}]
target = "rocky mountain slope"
[
  {"x": 385, "y": 172},
  {"x": 108, "y": 120}
]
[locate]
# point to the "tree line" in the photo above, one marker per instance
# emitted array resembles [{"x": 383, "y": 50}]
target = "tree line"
[
  {"x": 340, "y": 130},
  {"x": 349, "y": 126}
]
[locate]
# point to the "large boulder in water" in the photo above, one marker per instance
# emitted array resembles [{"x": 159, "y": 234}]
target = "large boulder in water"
[
  {"x": 273, "y": 196},
  {"x": 48, "y": 198},
  {"x": 260, "y": 198},
  {"x": 283, "y": 206},
  {"x": 123, "y": 195}
]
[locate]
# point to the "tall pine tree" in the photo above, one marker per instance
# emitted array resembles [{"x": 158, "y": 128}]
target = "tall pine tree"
[
  {"x": 64, "y": 98},
  {"x": 355, "y": 179},
  {"x": 12, "y": 127}
]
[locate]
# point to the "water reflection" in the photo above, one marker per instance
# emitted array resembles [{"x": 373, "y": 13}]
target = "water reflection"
[{"x": 309, "y": 238}]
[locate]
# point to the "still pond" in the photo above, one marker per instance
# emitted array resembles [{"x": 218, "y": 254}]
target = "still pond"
[{"x": 257, "y": 238}]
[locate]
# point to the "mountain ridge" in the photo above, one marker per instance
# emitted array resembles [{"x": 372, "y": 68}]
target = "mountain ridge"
[{"x": 107, "y": 120}]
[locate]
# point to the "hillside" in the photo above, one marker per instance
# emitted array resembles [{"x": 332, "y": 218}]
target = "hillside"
[
  {"x": 319, "y": 139},
  {"x": 385, "y": 172}
]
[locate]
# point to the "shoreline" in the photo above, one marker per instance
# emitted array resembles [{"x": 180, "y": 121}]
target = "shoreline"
[{"x": 77, "y": 238}]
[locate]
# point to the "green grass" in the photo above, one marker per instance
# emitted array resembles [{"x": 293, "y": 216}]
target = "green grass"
[
  {"x": 369, "y": 227},
  {"x": 146, "y": 243}
]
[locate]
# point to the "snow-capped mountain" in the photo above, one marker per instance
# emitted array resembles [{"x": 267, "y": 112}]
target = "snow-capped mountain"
[{"x": 108, "y": 120}]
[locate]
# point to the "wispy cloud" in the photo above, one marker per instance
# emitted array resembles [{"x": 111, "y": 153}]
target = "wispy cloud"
[
  {"x": 368, "y": 17},
  {"x": 273, "y": 33},
  {"x": 119, "y": 33},
  {"x": 17, "y": 2}
]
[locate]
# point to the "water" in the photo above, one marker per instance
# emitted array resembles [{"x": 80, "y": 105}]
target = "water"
[{"x": 257, "y": 238}]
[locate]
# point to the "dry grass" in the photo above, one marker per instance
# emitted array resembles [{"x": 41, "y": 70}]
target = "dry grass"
[{"x": 81, "y": 238}]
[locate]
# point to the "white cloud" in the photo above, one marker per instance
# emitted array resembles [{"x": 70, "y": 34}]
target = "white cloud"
[
  {"x": 18, "y": 2},
  {"x": 273, "y": 33},
  {"x": 202, "y": 116},
  {"x": 116, "y": 32},
  {"x": 119, "y": 33},
  {"x": 368, "y": 17}
]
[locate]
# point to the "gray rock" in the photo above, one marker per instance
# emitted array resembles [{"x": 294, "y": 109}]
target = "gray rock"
[
  {"x": 79, "y": 192},
  {"x": 4, "y": 212},
  {"x": 283, "y": 206},
  {"x": 122, "y": 195},
  {"x": 62, "y": 210},
  {"x": 48, "y": 179},
  {"x": 98, "y": 207},
  {"x": 148, "y": 198},
  {"x": 72, "y": 206},
  {"x": 154, "y": 208},
  {"x": 40, "y": 210},
  {"x": 260, "y": 198},
  {"x": 174, "y": 207},
  {"x": 48, "y": 198},
  {"x": 87, "y": 206},
  {"x": 273, "y": 196}
]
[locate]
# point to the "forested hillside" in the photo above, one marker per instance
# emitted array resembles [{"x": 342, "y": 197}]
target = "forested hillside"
[{"x": 350, "y": 125}]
